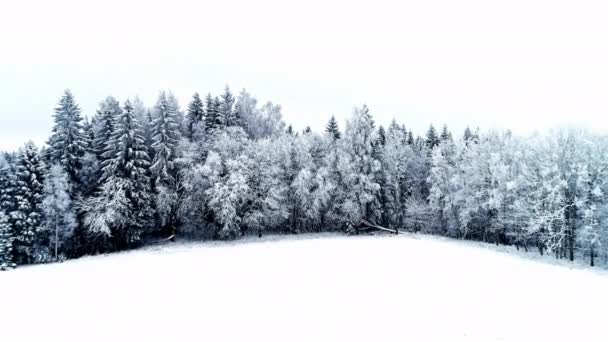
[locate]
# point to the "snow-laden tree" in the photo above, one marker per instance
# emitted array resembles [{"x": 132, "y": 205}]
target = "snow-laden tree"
[
  {"x": 395, "y": 157},
  {"x": 58, "y": 214},
  {"x": 28, "y": 194},
  {"x": 432, "y": 139},
  {"x": 228, "y": 116},
  {"x": 259, "y": 123},
  {"x": 213, "y": 119},
  {"x": 357, "y": 169},
  {"x": 67, "y": 142},
  {"x": 267, "y": 207},
  {"x": 106, "y": 115},
  {"x": 165, "y": 137},
  {"x": 6, "y": 243},
  {"x": 126, "y": 190},
  {"x": 332, "y": 128},
  {"x": 195, "y": 116}
]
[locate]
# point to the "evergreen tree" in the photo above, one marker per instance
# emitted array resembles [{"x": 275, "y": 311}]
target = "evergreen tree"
[
  {"x": 381, "y": 136},
  {"x": 107, "y": 113},
  {"x": 445, "y": 134},
  {"x": 432, "y": 140},
  {"x": 67, "y": 142},
  {"x": 307, "y": 130},
  {"x": 332, "y": 128},
  {"x": 123, "y": 207},
  {"x": 468, "y": 135},
  {"x": 165, "y": 135},
  {"x": 410, "y": 138},
  {"x": 212, "y": 114},
  {"x": 27, "y": 216},
  {"x": 6, "y": 243},
  {"x": 289, "y": 130},
  {"x": 228, "y": 117},
  {"x": 194, "y": 116}
]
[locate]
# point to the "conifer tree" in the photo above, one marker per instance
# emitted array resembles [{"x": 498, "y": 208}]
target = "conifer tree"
[
  {"x": 289, "y": 130},
  {"x": 381, "y": 136},
  {"x": 445, "y": 134},
  {"x": 6, "y": 243},
  {"x": 123, "y": 206},
  {"x": 165, "y": 135},
  {"x": 228, "y": 117},
  {"x": 307, "y": 130},
  {"x": 194, "y": 116},
  {"x": 212, "y": 114},
  {"x": 107, "y": 113},
  {"x": 432, "y": 140},
  {"x": 28, "y": 194},
  {"x": 67, "y": 142},
  {"x": 332, "y": 128}
]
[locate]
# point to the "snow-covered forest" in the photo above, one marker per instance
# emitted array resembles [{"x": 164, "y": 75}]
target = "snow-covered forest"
[{"x": 227, "y": 166}]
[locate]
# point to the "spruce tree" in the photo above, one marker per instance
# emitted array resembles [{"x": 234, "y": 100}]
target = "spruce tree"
[
  {"x": 289, "y": 130},
  {"x": 410, "y": 138},
  {"x": 332, "y": 128},
  {"x": 6, "y": 243},
  {"x": 381, "y": 136},
  {"x": 225, "y": 108},
  {"x": 108, "y": 110},
  {"x": 212, "y": 115},
  {"x": 27, "y": 215},
  {"x": 432, "y": 140},
  {"x": 67, "y": 142},
  {"x": 127, "y": 173},
  {"x": 194, "y": 116},
  {"x": 165, "y": 136},
  {"x": 445, "y": 134}
]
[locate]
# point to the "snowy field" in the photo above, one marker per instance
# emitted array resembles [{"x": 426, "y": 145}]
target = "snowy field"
[{"x": 311, "y": 288}]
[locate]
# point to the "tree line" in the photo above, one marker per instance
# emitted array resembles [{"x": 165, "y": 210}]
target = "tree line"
[{"x": 227, "y": 166}]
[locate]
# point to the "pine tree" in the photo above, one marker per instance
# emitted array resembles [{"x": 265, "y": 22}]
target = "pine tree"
[
  {"x": 27, "y": 215},
  {"x": 6, "y": 243},
  {"x": 67, "y": 142},
  {"x": 165, "y": 135},
  {"x": 194, "y": 116},
  {"x": 432, "y": 140},
  {"x": 332, "y": 128},
  {"x": 468, "y": 135}
]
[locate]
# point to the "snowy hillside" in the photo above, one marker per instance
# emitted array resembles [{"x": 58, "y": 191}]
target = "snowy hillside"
[{"x": 311, "y": 288}]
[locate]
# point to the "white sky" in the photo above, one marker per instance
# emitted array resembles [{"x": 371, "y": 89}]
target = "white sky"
[{"x": 520, "y": 64}]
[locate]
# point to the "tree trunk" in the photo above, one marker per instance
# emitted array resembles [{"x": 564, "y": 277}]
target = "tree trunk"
[{"x": 592, "y": 257}]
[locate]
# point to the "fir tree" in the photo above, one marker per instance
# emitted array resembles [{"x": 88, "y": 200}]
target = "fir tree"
[
  {"x": 194, "y": 116},
  {"x": 108, "y": 110},
  {"x": 67, "y": 142},
  {"x": 27, "y": 215},
  {"x": 332, "y": 128}
]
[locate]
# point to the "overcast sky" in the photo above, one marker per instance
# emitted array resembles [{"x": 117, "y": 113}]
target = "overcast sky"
[{"x": 520, "y": 64}]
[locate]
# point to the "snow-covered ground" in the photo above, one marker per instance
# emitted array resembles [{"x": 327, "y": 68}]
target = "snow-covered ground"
[{"x": 310, "y": 288}]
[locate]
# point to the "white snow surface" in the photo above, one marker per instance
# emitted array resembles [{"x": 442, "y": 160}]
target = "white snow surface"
[{"x": 311, "y": 288}]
